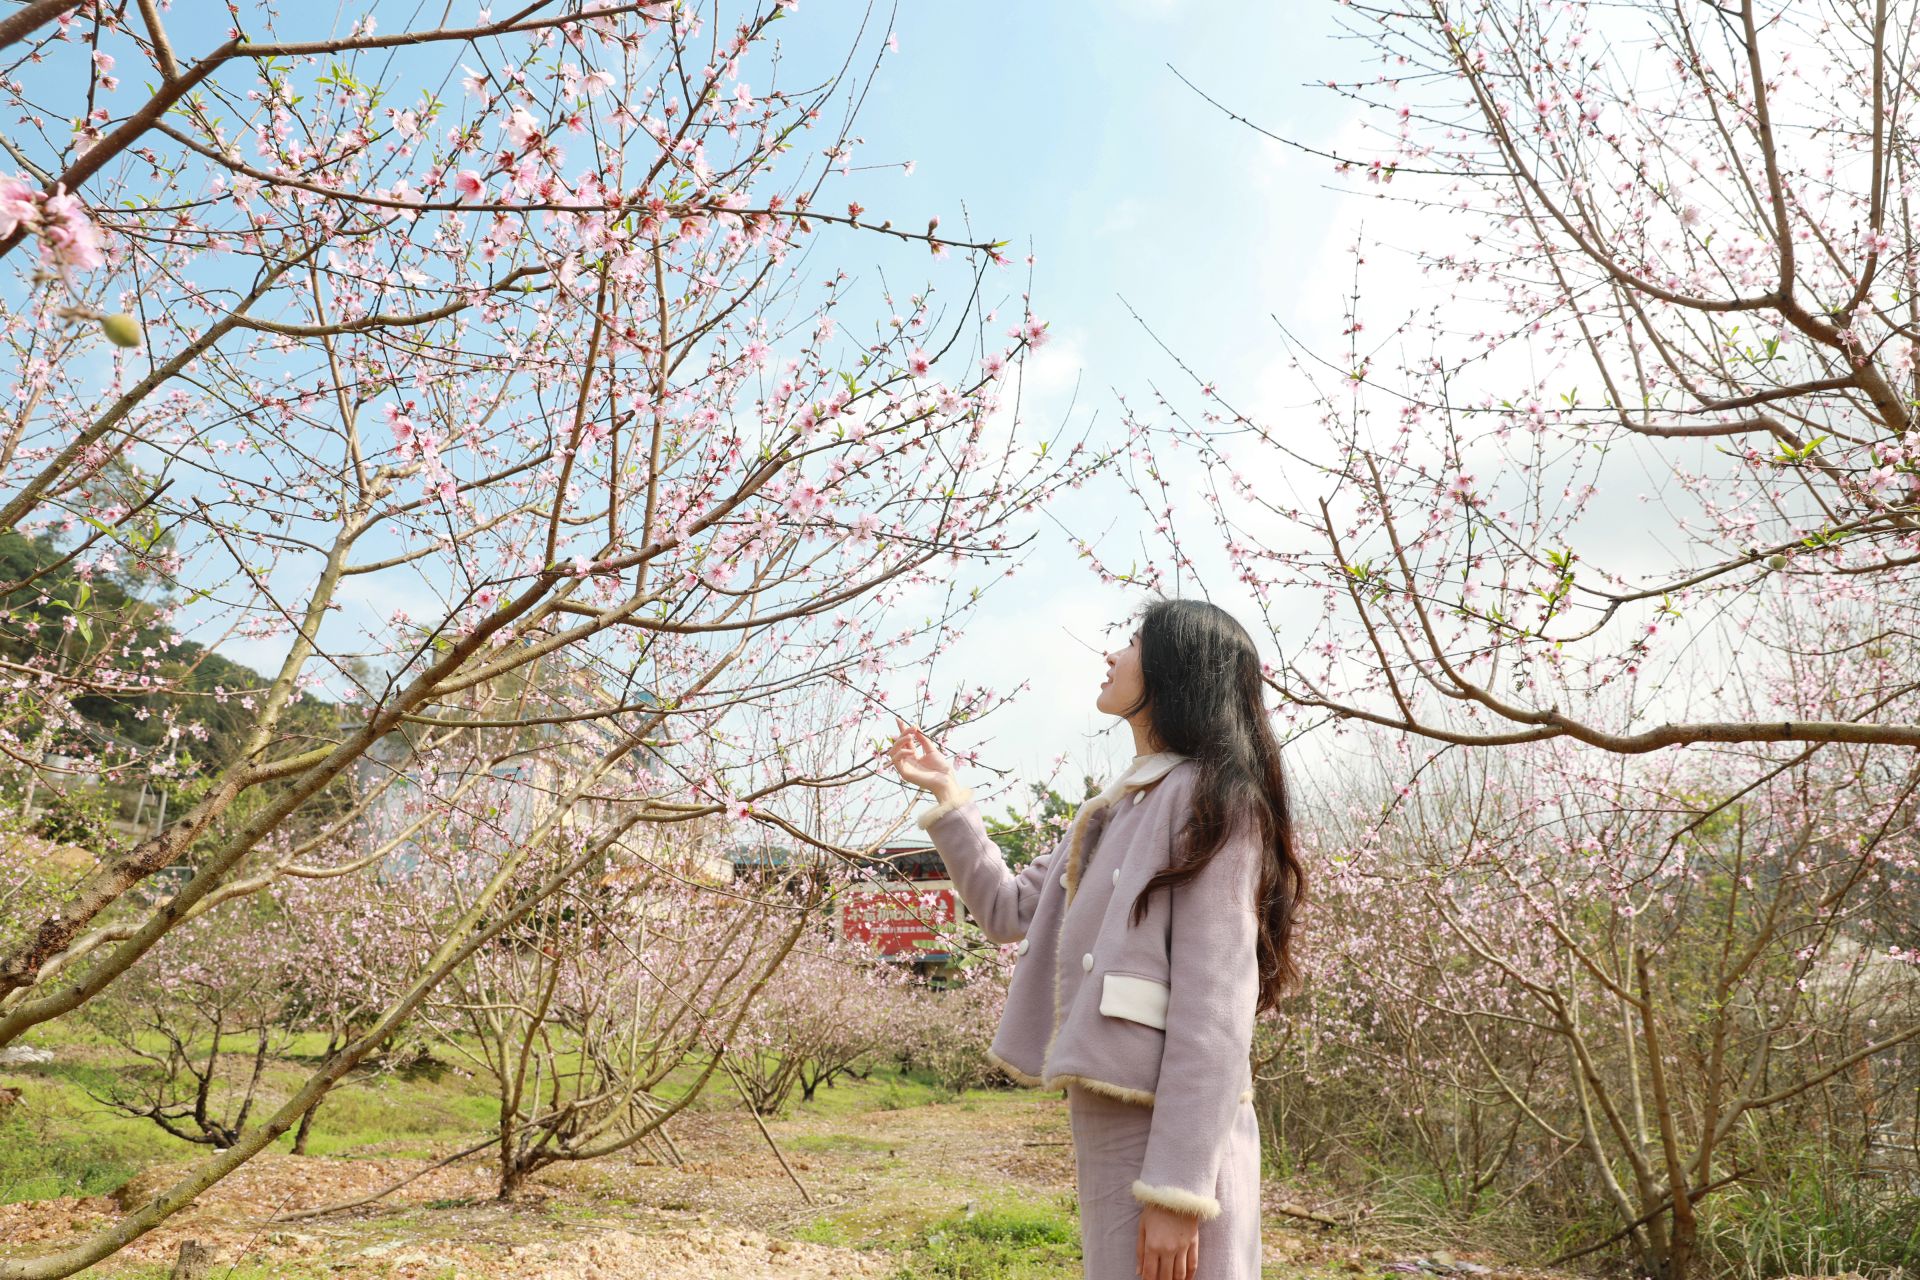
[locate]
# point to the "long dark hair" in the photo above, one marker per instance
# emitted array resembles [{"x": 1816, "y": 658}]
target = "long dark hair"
[{"x": 1205, "y": 699}]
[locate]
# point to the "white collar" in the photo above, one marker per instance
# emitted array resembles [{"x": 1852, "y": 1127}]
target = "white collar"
[{"x": 1143, "y": 771}]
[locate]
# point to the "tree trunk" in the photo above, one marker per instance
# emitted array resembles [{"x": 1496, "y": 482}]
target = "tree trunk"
[
  {"x": 195, "y": 1261},
  {"x": 306, "y": 1126},
  {"x": 1664, "y": 1251},
  {"x": 513, "y": 1175}
]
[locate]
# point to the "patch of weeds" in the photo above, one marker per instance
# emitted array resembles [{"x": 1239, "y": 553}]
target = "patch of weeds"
[
  {"x": 827, "y": 1231},
  {"x": 1816, "y": 1218},
  {"x": 452, "y": 1202},
  {"x": 421, "y": 1066},
  {"x": 59, "y": 1142},
  {"x": 883, "y": 1090},
  {"x": 233, "y": 1271},
  {"x": 391, "y": 1116},
  {"x": 1015, "y": 1242},
  {"x": 823, "y": 1142}
]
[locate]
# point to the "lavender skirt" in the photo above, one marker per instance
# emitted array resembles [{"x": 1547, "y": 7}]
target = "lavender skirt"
[{"x": 1110, "y": 1146}]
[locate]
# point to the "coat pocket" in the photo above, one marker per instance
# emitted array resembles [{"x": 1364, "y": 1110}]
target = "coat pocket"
[{"x": 1137, "y": 999}]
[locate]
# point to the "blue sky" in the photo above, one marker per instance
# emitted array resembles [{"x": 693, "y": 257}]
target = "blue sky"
[{"x": 1062, "y": 128}]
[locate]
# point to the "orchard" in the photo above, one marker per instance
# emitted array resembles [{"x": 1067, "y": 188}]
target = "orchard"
[{"x": 472, "y": 509}]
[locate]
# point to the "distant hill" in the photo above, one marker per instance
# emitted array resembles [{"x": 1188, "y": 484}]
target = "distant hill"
[{"x": 116, "y": 626}]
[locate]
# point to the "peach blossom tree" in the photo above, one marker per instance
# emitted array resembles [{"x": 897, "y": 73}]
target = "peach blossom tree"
[
  {"x": 492, "y": 388},
  {"x": 1609, "y": 472}
]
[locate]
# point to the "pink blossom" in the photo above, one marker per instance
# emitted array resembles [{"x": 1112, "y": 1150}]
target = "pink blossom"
[
  {"x": 804, "y": 500},
  {"x": 469, "y": 186},
  {"x": 403, "y": 432},
  {"x": 521, "y": 128},
  {"x": 918, "y": 364},
  {"x": 69, "y": 236},
  {"x": 17, "y": 208}
]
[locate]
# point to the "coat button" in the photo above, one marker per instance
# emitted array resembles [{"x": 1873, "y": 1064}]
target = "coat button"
[
  {"x": 1022, "y": 948},
  {"x": 1138, "y": 796},
  {"x": 1116, "y": 875},
  {"x": 1086, "y": 962}
]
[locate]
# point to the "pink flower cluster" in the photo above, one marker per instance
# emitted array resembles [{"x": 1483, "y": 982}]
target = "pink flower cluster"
[{"x": 68, "y": 236}]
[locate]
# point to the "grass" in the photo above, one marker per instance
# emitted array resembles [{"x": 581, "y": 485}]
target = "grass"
[
  {"x": 1010, "y": 1242},
  {"x": 909, "y": 1222},
  {"x": 1815, "y": 1219},
  {"x": 408, "y": 1119},
  {"x": 883, "y": 1090},
  {"x": 830, "y": 1142},
  {"x": 59, "y": 1141}
]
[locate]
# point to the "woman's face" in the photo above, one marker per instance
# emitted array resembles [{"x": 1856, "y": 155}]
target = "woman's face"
[{"x": 1123, "y": 685}]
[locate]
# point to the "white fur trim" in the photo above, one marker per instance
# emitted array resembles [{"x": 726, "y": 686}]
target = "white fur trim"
[
  {"x": 1118, "y": 1092},
  {"x": 1144, "y": 770},
  {"x": 1141, "y": 774},
  {"x": 1053, "y": 1032},
  {"x": 1077, "y": 845},
  {"x": 944, "y": 808},
  {"x": 1177, "y": 1200},
  {"x": 1019, "y": 1076},
  {"x": 1142, "y": 1000},
  {"x": 1247, "y": 1096}
]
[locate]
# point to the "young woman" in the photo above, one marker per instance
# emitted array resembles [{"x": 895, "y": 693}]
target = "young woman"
[{"x": 1149, "y": 937}]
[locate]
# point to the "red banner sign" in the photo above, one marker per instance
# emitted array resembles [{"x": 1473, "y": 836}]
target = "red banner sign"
[{"x": 896, "y": 921}]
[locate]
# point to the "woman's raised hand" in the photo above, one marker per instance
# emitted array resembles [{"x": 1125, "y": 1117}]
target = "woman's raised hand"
[{"x": 917, "y": 760}]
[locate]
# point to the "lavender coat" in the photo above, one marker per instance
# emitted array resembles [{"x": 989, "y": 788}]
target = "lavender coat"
[{"x": 1159, "y": 1014}]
